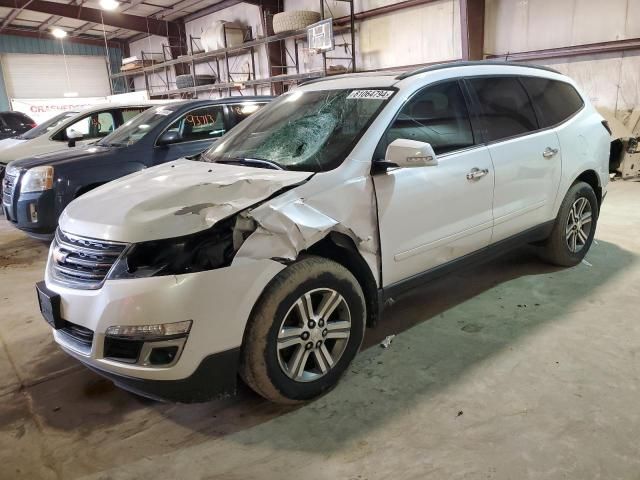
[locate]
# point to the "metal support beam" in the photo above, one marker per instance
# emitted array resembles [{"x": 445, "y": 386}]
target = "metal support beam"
[
  {"x": 472, "y": 29},
  {"x": 572, "y": 51},
  {"x": 114, "y": 19},
  {"x": 12, "y": 16}
]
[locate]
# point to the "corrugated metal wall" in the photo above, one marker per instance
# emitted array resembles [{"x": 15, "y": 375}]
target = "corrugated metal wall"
[{"x": 20, "y": 44}]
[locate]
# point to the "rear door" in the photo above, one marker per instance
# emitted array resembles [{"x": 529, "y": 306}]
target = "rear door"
[
  {"x": 429, "y": 216},
  {"x": 526, "y": 158},
  {"x": 197, "y": 129}
]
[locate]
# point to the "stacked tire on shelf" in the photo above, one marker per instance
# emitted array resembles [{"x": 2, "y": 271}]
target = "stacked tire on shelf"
[
  {"x": 186, "y": 81},
  {"x": 294, "y": 20}
]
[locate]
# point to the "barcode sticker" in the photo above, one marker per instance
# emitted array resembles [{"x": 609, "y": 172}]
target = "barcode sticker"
[{"x": 371, "y": 94}]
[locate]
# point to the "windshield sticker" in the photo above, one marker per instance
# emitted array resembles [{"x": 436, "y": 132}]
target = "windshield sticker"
[{"x": 371, "y": 94}]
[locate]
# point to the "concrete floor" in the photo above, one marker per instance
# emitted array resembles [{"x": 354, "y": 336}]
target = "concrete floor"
[{"x": 512, "y": 370}]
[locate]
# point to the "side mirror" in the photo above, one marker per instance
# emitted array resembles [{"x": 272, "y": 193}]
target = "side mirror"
[
  {"x": 405, "y": 153},
  {"x": 72, "y": 136},
  {"x": 168, "y": 137}
]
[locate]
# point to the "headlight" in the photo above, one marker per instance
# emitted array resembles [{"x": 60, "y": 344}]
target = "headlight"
[
  {"x": 37, "y": 179},
  {"x": 206, "y": 250}
]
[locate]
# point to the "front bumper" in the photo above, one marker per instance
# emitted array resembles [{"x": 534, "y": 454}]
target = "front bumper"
[
  {"x": 20, "y": 212},
  {"x": 218, "y": 302}
]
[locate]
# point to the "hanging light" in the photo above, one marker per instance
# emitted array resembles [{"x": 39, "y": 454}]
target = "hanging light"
[
  {"x": 58, "y": 33},
  {"x": 109, "y": 4}
]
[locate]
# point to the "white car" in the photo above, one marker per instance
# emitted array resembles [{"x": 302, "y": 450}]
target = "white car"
[
  {"x": 269, "y": 259},
  {"x": 69, "y": 129}
]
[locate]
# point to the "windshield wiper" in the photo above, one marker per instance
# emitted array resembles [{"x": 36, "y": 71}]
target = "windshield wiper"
[{"x": 251, "y": 162}]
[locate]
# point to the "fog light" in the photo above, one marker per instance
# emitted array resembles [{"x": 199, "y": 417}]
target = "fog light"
[
  {"x": 149, "y": 332},
  {"x": 33, "y": 212},
  {"x": 163, "y": 356}
]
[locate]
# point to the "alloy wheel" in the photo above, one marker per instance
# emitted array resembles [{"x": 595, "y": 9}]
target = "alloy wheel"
[
  {"x": 313, "y": 335},
  {"x": 578, "y": 226}
]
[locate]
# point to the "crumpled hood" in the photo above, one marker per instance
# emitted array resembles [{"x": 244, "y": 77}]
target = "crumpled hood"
[{"x": 171, "y": 200}]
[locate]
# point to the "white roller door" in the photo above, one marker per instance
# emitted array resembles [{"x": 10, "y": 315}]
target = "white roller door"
[{"x": 44, "y": 76}]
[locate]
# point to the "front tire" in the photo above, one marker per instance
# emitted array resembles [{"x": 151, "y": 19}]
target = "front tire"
[
  {"x": 574, "y": 228},
  {"x": 304, "y": 331}
]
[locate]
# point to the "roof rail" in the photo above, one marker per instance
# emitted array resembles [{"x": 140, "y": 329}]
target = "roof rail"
[{"x": 442, "y": 66}]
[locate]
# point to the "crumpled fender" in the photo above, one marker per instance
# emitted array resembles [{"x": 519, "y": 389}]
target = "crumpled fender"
[{"x": 293, "y": 224}]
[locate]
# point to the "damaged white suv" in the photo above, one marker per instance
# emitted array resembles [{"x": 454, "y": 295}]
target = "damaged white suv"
[{"x": 268, "y": 259}]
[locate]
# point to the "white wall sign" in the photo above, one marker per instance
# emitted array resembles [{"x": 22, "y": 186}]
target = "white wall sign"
[{"x": 41, "y": 109}]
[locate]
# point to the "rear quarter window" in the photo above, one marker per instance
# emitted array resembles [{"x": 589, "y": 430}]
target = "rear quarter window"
[{"x": 553, "y": 100}]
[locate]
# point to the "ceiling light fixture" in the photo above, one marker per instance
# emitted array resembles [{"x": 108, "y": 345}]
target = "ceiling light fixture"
[
  {"x": 58, "y": 33},
  {"x": 109, "y": 4}
]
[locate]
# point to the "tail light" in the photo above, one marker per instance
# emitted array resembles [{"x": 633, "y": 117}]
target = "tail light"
[
  {"x": 32, "y": 125},
  {"x": 605, "y": 124}
]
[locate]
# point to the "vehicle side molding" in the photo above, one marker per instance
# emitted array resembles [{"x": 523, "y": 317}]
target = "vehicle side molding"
[{"x": 534, "y": 234}]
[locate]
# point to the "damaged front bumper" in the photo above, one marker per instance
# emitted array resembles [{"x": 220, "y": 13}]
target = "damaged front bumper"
[{"x": 218, "y": 304}]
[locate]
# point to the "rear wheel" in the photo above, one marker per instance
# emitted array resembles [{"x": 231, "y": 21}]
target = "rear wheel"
[
  {"x": 574, "y": 228},
  {"x": 304, "y": 331}
]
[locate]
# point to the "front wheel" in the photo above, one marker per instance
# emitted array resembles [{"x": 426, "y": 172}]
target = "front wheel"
[
  {"x": 304, "y": 331},
  {"x": 574, "y": 228}
]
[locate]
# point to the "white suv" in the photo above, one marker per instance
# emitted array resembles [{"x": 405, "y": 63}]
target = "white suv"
[{"x": 268, "y": 259}]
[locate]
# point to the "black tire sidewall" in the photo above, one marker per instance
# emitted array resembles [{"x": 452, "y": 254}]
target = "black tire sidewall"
[
  {"x": 579, "y": 190},
  {"x": 307, "y": 390}
]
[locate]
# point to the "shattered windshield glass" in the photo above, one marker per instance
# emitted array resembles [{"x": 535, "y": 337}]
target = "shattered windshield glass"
[{"x": 302, "y": 130}]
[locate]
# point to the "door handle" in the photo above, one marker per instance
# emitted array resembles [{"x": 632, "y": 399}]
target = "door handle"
[
  {"x": 477, "y": 173},
  {"x": 549, "y": 152}
]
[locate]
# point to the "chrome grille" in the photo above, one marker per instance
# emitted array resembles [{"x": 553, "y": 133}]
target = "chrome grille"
[
  {"x": 80, "y": 262},
  {"x": 8, "y": 184}
]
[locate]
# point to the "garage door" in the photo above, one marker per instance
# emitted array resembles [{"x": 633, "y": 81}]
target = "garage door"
[{"x": 44, "y": 76}]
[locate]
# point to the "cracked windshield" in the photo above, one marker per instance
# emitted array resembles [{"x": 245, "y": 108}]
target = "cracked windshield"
[{"x": 308, "y": 131}]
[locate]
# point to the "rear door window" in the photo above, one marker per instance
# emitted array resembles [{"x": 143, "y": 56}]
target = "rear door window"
[
  {"x": 505, "y": 109},
  {"x": 554, "y": 101}
]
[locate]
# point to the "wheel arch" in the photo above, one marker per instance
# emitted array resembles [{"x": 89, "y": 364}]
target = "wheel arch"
[
  {"x": 86, "y": 188},
  {"x": 341, "y": 249},
  {"x": 591, "y": 178}
]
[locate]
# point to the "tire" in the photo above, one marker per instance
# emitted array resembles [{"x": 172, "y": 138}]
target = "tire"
[
  {"x": 294, "y": 20},
  {"x": 186, "y": 81},
  {"x": 271, "y": 371},
  {"x": 559, "y": 248}
]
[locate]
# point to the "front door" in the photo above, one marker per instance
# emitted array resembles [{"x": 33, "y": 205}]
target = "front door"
[
  {"x": 527, "y": 159},
  {"x": 429, "y": 216}
]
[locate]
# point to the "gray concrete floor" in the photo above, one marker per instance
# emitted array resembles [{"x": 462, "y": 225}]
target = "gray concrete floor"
[{"x": 512, "y": 370}]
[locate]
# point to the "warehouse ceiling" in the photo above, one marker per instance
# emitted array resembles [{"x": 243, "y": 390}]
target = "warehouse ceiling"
[{"x": 87, "y": 19}]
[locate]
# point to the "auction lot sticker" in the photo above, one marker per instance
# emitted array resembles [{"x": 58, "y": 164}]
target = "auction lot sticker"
[{"x": 371, "y": 94}]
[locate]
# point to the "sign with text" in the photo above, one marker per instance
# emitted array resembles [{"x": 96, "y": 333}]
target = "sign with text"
[{"x": 41, "y": 109}]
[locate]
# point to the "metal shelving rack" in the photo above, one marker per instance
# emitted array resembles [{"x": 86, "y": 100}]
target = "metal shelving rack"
[{"x": 197, "y": 56}]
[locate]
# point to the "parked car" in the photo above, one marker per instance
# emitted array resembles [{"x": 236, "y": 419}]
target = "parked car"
[
  {"x": 269, "y": 258},
  {"x": 37, "y": 189},
  {"x": 67, "y": 130},
  {"x": 14, "y": 123}
]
